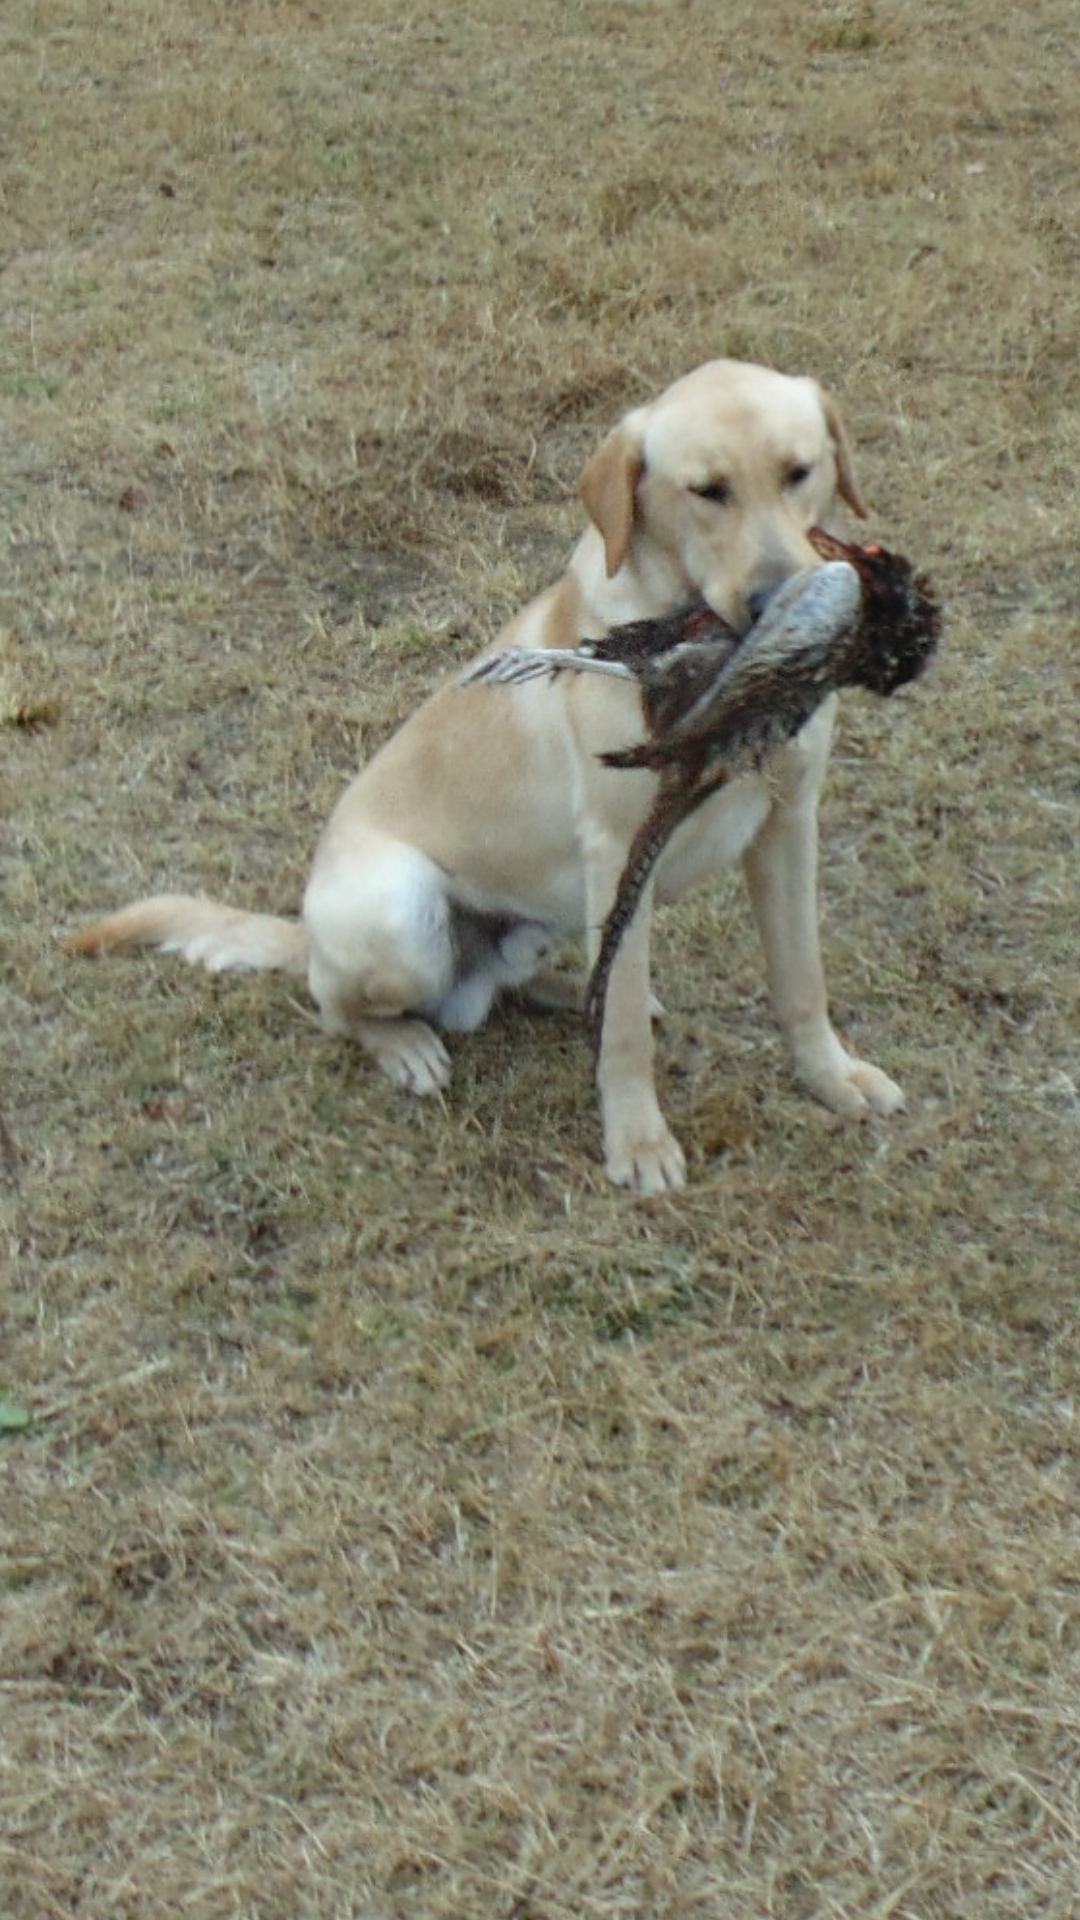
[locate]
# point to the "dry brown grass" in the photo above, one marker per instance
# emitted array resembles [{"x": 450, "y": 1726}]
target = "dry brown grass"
[{"x": 409, "y": 1526}]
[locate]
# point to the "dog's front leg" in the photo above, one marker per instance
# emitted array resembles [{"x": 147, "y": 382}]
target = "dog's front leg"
[
  {"x": 640, "y": 1150},
  {"x": 781, "y": 872}
]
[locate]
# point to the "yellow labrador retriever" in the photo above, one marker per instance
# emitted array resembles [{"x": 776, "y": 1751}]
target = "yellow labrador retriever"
[{"x": 486, "y": 833}]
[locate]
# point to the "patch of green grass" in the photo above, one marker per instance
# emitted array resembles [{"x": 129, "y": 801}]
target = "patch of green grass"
[
  {"x": 30, "y": 386},
  {"x": 13, "y": 1417}
]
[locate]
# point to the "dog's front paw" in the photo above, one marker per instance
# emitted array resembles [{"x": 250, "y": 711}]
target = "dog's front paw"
[
  {"x": 646, "y": 1163},
  {"x": 849, "y": 1086}
]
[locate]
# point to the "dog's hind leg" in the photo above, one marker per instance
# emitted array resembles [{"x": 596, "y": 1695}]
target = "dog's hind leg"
[
  {"x": 378, "y": 920},
  {"x": 493, "y": 951},
  {"x": 554, "y": 991}
]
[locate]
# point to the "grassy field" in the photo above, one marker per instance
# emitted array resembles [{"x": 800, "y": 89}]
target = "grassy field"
[{"x": 407, "y": 1526}]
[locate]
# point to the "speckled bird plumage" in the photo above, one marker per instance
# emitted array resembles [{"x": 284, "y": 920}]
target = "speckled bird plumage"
[{"x": 716, "y": 705}]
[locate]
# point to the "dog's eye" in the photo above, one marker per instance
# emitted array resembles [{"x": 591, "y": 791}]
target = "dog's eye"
[
  {"x": 717, "y": 491},
  {"x": 797, "y": 473}
]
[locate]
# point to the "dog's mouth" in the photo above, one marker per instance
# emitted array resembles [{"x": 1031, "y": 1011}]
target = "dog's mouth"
[
  {"x": 753, "y": 609},
  {"x": 701, "y": 622},
  {"x": 736, "y": 630},
  {"x": 717, "y": 612}
]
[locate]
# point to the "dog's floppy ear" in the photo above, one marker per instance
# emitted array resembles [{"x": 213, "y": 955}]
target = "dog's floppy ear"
[
  {"x": 608, "y": 488},
  {"x": 846, "y": 484}
]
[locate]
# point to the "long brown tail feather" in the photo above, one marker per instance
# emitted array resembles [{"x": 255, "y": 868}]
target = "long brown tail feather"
[{"x": 673, "y": 805}]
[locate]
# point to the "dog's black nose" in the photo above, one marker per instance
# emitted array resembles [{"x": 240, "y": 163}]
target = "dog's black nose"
[{"x": 757, "y": 602}]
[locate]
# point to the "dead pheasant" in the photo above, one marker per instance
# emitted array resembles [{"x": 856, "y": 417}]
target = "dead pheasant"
[{"x": 715, "y": 706}]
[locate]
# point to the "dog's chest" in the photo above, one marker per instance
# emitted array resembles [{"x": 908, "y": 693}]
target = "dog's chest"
[{"x": 712, "y": 838}]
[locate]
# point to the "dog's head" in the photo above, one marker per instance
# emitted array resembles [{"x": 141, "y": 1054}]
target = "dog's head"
[{"x": 712, "y": 488}]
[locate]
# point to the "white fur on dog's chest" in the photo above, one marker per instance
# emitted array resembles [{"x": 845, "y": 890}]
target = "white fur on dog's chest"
[
  {"x": 722, "y": 829},
  {"x": 716, "y": 836}
]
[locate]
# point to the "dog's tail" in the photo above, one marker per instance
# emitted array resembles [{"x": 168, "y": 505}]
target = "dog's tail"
[{"x": 205, "y": 932}]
